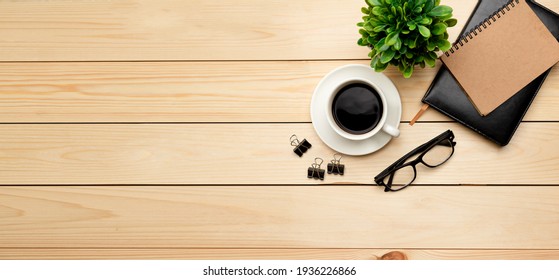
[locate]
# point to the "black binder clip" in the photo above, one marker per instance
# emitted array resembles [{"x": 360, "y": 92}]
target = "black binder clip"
[
  {"x": 300, "y": 147},
  {"x": 314, "y": 171},
  {"x": 334, "y": 167}
]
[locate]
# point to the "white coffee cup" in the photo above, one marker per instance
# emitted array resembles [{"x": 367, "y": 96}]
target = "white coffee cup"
[{"x": 382, "y": 125}]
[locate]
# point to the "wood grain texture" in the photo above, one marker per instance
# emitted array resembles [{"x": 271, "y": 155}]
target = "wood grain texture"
[
  {"x": 270, "y": 254},
  {"x": 262, "y": 91},
  {"x": 507, "y": 217},
  {"x": 255, "y": 154},
  {"x": 201, "y": 190},
  {"x": 59, "y": 30}
]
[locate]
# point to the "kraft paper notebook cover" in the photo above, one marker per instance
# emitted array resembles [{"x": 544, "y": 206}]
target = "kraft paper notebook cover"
[
  {"x": 447, "y": 96},
  {"x": 502, "y": 55}
]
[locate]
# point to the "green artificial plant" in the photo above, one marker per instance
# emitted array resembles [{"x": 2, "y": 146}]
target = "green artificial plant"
[{"x": 405, "y": 33}]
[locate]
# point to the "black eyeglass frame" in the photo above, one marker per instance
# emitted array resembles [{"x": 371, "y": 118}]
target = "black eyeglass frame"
[{"x": 421, "y": 150}]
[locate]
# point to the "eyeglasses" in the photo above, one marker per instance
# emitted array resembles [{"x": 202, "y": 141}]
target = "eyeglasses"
[{"x": 402, "y": 173}]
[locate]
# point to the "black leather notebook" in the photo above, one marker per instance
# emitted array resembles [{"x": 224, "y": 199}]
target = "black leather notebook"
[{"x": 446, "y": 95}]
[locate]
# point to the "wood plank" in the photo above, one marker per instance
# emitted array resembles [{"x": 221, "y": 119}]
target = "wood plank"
[
  {"x": 185, "y": 30},
  {"x": 254, "y": 154},
  {"x": 125, "y": 217},
  {"x": 270, "y": 254},
  {"x": 196, "y": 92}
]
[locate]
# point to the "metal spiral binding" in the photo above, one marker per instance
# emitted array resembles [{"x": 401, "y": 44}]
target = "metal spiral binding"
[{"x": 482, "y": 26}]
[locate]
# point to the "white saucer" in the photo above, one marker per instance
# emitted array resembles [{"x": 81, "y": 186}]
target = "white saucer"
[{"x": 319, "y": 106}]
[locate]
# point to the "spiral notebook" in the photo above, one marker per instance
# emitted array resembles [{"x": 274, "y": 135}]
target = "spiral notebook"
[
  {"x": 502, "y": 55},
  {"x": 448, "y": 97}
]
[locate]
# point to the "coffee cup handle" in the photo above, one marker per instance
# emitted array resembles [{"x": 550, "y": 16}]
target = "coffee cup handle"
[{"x": 390, "y": 130}]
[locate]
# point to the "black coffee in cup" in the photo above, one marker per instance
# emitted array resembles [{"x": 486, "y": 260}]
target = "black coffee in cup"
[{"x": 357, "y": 108}]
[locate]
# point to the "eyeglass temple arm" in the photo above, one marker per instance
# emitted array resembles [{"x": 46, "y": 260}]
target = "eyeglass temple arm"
[
  {"x": 389, "y": 169},
  {"x": 452, "y": 143}
]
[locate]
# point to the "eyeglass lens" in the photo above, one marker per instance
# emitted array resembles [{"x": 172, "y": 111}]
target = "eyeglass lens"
[
  {"x": 404, "y": 176},
  {"x": 438, "y": 154},
  {"x": 400, "y": 178}
]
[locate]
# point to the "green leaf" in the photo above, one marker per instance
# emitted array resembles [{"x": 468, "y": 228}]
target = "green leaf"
[
  {"x": 392, "y": 38},
  {"x": 426, "y": 21},
  {"x": 360, "y": 24},
  {"x": 445, "y": 17},
  {"x": 417, "y": 10},
  {"x": 420, "y": 2},
  {"x": 387, "y": 56},
  {"x": 444, "y": 45},
  {"x": 384, "y": 48},
  {"x": 380, "y": 44},
  {"x": 374, "y": 61},
  {"x": 451, "y": 22},
  {"x": 365, "y": 10},
  {"x": 360, "y": 42},
  {"x": 377, "y": 11},
  {"x": 424, "y": 31},
  {"x": 374, "y": 22},
  {"x": 429, "y": 5},
  {"x": 440, "y": 11},
  {"x": 373, "y": 2},
  {"x": 412, "y": 43},
  {"x": 408, "y": 72},
  {"x": 438, "y": 28},
  {"x": 379, "y": 28},
  {"x": 401, "y": 67},
  {"x": 403, "y": 49},
  {"x": 398, "y": 44},
  {"x": 433, "y": 55},
  {"x": 368, "y": 27},
  {"x": 379, "y": 67},
  {"x": 429, "y": 61},
  {"x": 363, "y": 32},
  {"x": 431, "y": 46},
  {"x": 411, "y": 25}
]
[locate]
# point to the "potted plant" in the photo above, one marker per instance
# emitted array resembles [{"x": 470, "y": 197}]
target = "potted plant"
[{"x": 405, "y": 33}]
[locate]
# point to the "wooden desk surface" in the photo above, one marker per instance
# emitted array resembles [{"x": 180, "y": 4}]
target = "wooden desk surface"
[{"x": 159, "y": 129}]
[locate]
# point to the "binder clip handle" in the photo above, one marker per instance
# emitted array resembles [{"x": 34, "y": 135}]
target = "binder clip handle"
[
  {"x": 318, "y": 163},
  {"x": 294, "y": 140},
  {"x": 335, "y": 167}
]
